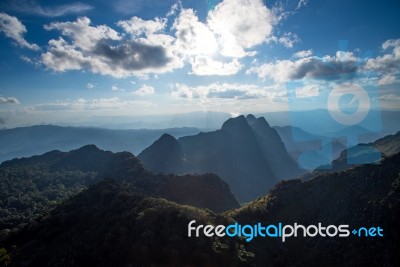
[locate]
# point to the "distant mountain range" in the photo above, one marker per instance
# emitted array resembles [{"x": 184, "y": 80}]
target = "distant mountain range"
[
  {"x": 30, "y": 187},
  {"x": 35, "y": 140},
  {"x": 314, "y": 150},
  {"x": 372, "y": 152},
  {"x": 320, "y": 122},
  {"x": 210, "y": 120},
  {"x": 246, "y": 152}
]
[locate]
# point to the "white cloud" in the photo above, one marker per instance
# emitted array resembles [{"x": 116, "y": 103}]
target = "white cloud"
[
  {"x": 137, "y": 26},
  {"x": 389, "y": 98},
  {"x": 222, "y": 91},
  {"x": 62, "y": 56},
  {"x": 308, "y": 67},
  {"x": 288, "y": 39},
  {"x": 81, "y": 104},
  {"x": 301, "y": 4},
  {"x": 302, "y": 54},
  {"x": 144, "y": 90},
  {"x": 228, "y": 31},
  {"x": 192, "y": 36},
  {"x": 14, "y": 29},
  {"x": 241, "y": 25},
  {"x": 83, "y": 35},
  {"x": 102, "y": 50},
  {"x": 203, "y": 65},
  {"x": 31, "y": 7},
  {"x": 389, "y": 62},
  {"x": 307, "y": 91},
  {"x": 144, "y": 47},
  {"x": 387, "y": 79},
  {"x": 8, "y": 100},
  {"x": 90, "y": 86},
  {"x": 30, "y": 60},
  {"x": 305, "y": 65},
  {"x": 174, "y": 9},
  {"x": 389, "y": 101},
  {"x": 115, "y": 88},
  {"x": 392, "y": 43}
]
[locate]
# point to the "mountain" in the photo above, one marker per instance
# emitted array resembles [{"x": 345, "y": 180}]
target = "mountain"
[
  {"x": 117, "y": 223},
  {"x": 298, "y": 141},
  {"x": 164, "y": 155},
  {"x": 320, "y": 122},
  {"x": 35, "y": 140},
  {"x": 246, "y": 152},
  {"x": 32, "y": 186},
  {"x": 113, "y": 223},
  {"x": 273, "y": 148},
  {"x": 310, "y": 150},
  {"x": 371, "y": 152},
  {"x": 364, "y": 196}
]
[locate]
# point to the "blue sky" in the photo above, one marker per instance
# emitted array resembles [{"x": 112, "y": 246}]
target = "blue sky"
[{"x": 67, "y": 62}]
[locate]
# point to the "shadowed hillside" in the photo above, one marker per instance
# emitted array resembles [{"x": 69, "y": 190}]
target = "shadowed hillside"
[
  {"x": 365, "y": 196},
  {"x": 111, "y": 224},
  {"x": 31, "y": 186}
]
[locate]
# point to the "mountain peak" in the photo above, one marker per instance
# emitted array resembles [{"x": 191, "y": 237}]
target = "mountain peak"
[
  {"x": 166, "y": 138},
  {"x": 164, "y": 155},
  {"x": 263, "y": 121},
  {"x": 235, "y": 124},
  {"x": 87, "y": 148},
  {"x": 250, "y": 119}
]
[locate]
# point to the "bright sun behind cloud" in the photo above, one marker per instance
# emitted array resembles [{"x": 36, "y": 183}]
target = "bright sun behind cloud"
[{"x": 205, "y": 43}]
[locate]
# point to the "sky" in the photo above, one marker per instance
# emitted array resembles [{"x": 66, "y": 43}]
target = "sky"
[{"x": 66, "y": 62}]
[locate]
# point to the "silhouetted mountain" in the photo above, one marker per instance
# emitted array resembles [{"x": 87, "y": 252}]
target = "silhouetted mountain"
[
  {"x": 164, "y": 155},
  {"x": 112, "y": 224},
  {"x": 31, "y": 186},
  {"x": 365, "y": 196},
  {"x": 247, "y": 153},
  {"x": 273, "y": 149},
  {"x": 35, "y": 140}
]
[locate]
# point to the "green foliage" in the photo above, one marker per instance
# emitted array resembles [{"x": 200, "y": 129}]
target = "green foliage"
[
  {"x": 111, "y": 224},
  {"x": 30, "y": 187},
  {"x": 28, "y": 191},
  {"x": 5, "y": 258}
]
